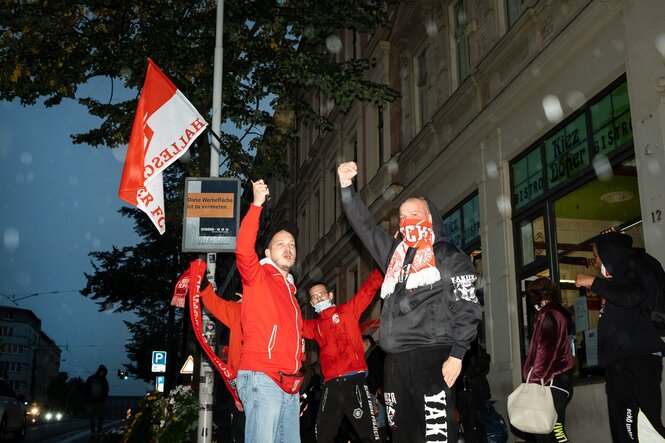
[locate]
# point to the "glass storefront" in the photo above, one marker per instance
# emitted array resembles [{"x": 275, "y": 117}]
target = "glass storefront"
[
  {"x": 578, "y": 180},
  {"x": 461, "y": 227}
]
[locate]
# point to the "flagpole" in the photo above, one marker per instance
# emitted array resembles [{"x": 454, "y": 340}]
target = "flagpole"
[{"x": 206, "y": 380}]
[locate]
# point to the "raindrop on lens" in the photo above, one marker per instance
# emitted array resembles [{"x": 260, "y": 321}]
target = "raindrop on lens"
[
  {"x": 462, "y": 18},
  {"x": 26, "y": 158},
  {"x": 11, "y": 239},
  {"x": 186, "y": 157},
  {"x": 334, "y": 44},
  {"x": 602, "y": 167},
  {"x": 575, "y": 99},
  {"x": 660, "y": 44},
  {"x": 120, "y": 153},
  {"x": 654, "y": 167},
  {"x": 552, "y": 108},
  {"x": 389, "y": 194},
  {"x": 503, "y": 205},
  {"x": 392, "y": 166},
  {"x": 125, "y": 73},
  {"x": 492, "y": 169},
  {"x": 431, "y": 28}
]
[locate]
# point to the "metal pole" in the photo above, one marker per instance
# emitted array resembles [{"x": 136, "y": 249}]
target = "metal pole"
[{"x": 206, "y": 380}]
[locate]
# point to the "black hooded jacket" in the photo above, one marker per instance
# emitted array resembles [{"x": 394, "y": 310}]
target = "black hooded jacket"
[
  {"x": 444, "y": 314},
  {"x": 96, "y": 386},
  {"x": 624, "y": 326}
]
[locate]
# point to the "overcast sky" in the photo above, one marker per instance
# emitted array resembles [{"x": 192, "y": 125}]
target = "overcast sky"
[{"x": 59, "y": 202}]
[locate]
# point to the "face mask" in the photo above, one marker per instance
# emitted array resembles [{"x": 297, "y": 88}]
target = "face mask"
[
  {"x": 322, "y": 306},
  {"x": 604, "y": 272},
  {"x": 414, "y": 229}
]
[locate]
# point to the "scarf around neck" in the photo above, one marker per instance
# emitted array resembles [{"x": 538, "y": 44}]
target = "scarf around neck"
[{"x": 422, "y": 271}]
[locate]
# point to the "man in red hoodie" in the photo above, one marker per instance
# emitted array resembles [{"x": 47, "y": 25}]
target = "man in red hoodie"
[
  {"x": 268, "y": 377},
  {"x": 342, "y": 356}
]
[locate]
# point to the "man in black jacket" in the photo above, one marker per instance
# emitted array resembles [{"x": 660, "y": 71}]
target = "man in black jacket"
[
  {"x": 429, "y": 317},
  {"x": 629, "y": 348}
]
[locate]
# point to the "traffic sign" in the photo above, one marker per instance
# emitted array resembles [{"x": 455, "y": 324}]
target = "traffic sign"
[
  {"x": 188, "y": 367},
  {"x": 158, "y": 361},
  {"x": 159, "y": 383}
]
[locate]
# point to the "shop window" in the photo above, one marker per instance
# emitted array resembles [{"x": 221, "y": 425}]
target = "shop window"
[
  {"x": 611, "y": 122},
  {"x": 532, "y": 240},
  {"x": 598, "y": 131},
  {"x": 461, "y": 226},
  {"x": 566, "y": 152},
  {"x": 527, "y": 177},
  {"x": 580, "y": 216}
]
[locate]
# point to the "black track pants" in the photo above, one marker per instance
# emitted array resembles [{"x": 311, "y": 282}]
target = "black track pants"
[
  {"x": 346, "y": 396},
  {"x": 632, "y": 384},
  {"x": 420, "y": 405}
]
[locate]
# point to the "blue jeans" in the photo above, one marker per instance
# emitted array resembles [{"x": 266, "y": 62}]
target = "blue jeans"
[{"x": 271, "y": 415}]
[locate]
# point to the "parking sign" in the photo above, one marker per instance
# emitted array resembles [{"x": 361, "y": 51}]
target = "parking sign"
[
  {"x": 158, "y": 361},
  {"x": 159, "y": 383}
]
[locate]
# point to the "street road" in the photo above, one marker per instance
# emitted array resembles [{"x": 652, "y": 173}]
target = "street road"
[{"x": 69, "y": 431}]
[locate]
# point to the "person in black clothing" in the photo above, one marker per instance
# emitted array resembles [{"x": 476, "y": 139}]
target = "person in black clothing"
[
  {"x": 96, "y": 390},
  {"x": 472, "y": 392},
  {"x": 629, "y": 348},
  {"x": 429, "y": 316},
  {"x": 375, "y": 359}
]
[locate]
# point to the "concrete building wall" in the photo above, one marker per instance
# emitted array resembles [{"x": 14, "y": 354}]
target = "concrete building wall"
[{"x": 471, "y": 128}]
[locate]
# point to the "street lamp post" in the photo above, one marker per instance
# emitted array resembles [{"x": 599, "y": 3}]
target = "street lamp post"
[{"x": 206, "y": 380}]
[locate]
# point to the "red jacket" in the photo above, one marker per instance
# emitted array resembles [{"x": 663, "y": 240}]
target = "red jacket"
[
  {"x": 338, "y": 332},
  {"x": 550, "y": 353},
  {"x": 271, "y": 318},
  {"x": 228, "y": 312}
]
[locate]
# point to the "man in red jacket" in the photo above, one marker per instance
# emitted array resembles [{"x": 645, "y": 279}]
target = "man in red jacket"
[
  {"x": 342, "y": 356},
  {"x": 268, "y": 377}
]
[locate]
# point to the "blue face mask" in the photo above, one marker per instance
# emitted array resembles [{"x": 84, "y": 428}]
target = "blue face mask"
[{"x": 322, "y": 306}]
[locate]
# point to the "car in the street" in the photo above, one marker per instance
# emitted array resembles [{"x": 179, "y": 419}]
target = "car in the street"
[{"x": 12, "y": 413}]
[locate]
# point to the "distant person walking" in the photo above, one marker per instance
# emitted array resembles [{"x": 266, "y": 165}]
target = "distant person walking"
[{"x": 96, "y": 392}]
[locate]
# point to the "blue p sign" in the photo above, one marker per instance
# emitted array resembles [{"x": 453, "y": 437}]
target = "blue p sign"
[{"x": 158, "y": 361}]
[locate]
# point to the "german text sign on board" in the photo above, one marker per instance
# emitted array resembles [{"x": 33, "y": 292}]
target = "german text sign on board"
[{"x": 211, "y": 214}]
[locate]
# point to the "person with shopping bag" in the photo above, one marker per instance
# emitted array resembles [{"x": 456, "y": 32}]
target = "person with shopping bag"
[{"x": 550, "y": 359}]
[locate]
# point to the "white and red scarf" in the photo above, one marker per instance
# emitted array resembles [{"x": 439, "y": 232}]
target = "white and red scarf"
[{"x": 416, "y": 233}]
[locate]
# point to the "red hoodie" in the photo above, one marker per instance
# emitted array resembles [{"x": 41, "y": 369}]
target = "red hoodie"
[
  {"x": 338, "y": 332},
  {"x": 271, "y": 318}
]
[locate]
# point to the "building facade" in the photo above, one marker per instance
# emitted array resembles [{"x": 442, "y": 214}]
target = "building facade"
[
  {"x": 533, "y": 125},
  {"x": 28, "y": 357}
]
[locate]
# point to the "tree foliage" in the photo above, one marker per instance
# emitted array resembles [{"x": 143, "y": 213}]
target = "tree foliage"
[{"x": 273, "y": 50}]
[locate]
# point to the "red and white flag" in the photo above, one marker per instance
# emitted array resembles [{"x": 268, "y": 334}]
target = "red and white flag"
[{"x": 165, "y": 125}]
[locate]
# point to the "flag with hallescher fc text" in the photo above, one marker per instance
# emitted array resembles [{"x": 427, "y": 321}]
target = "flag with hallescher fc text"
[{"x": 165, "y": 126}]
